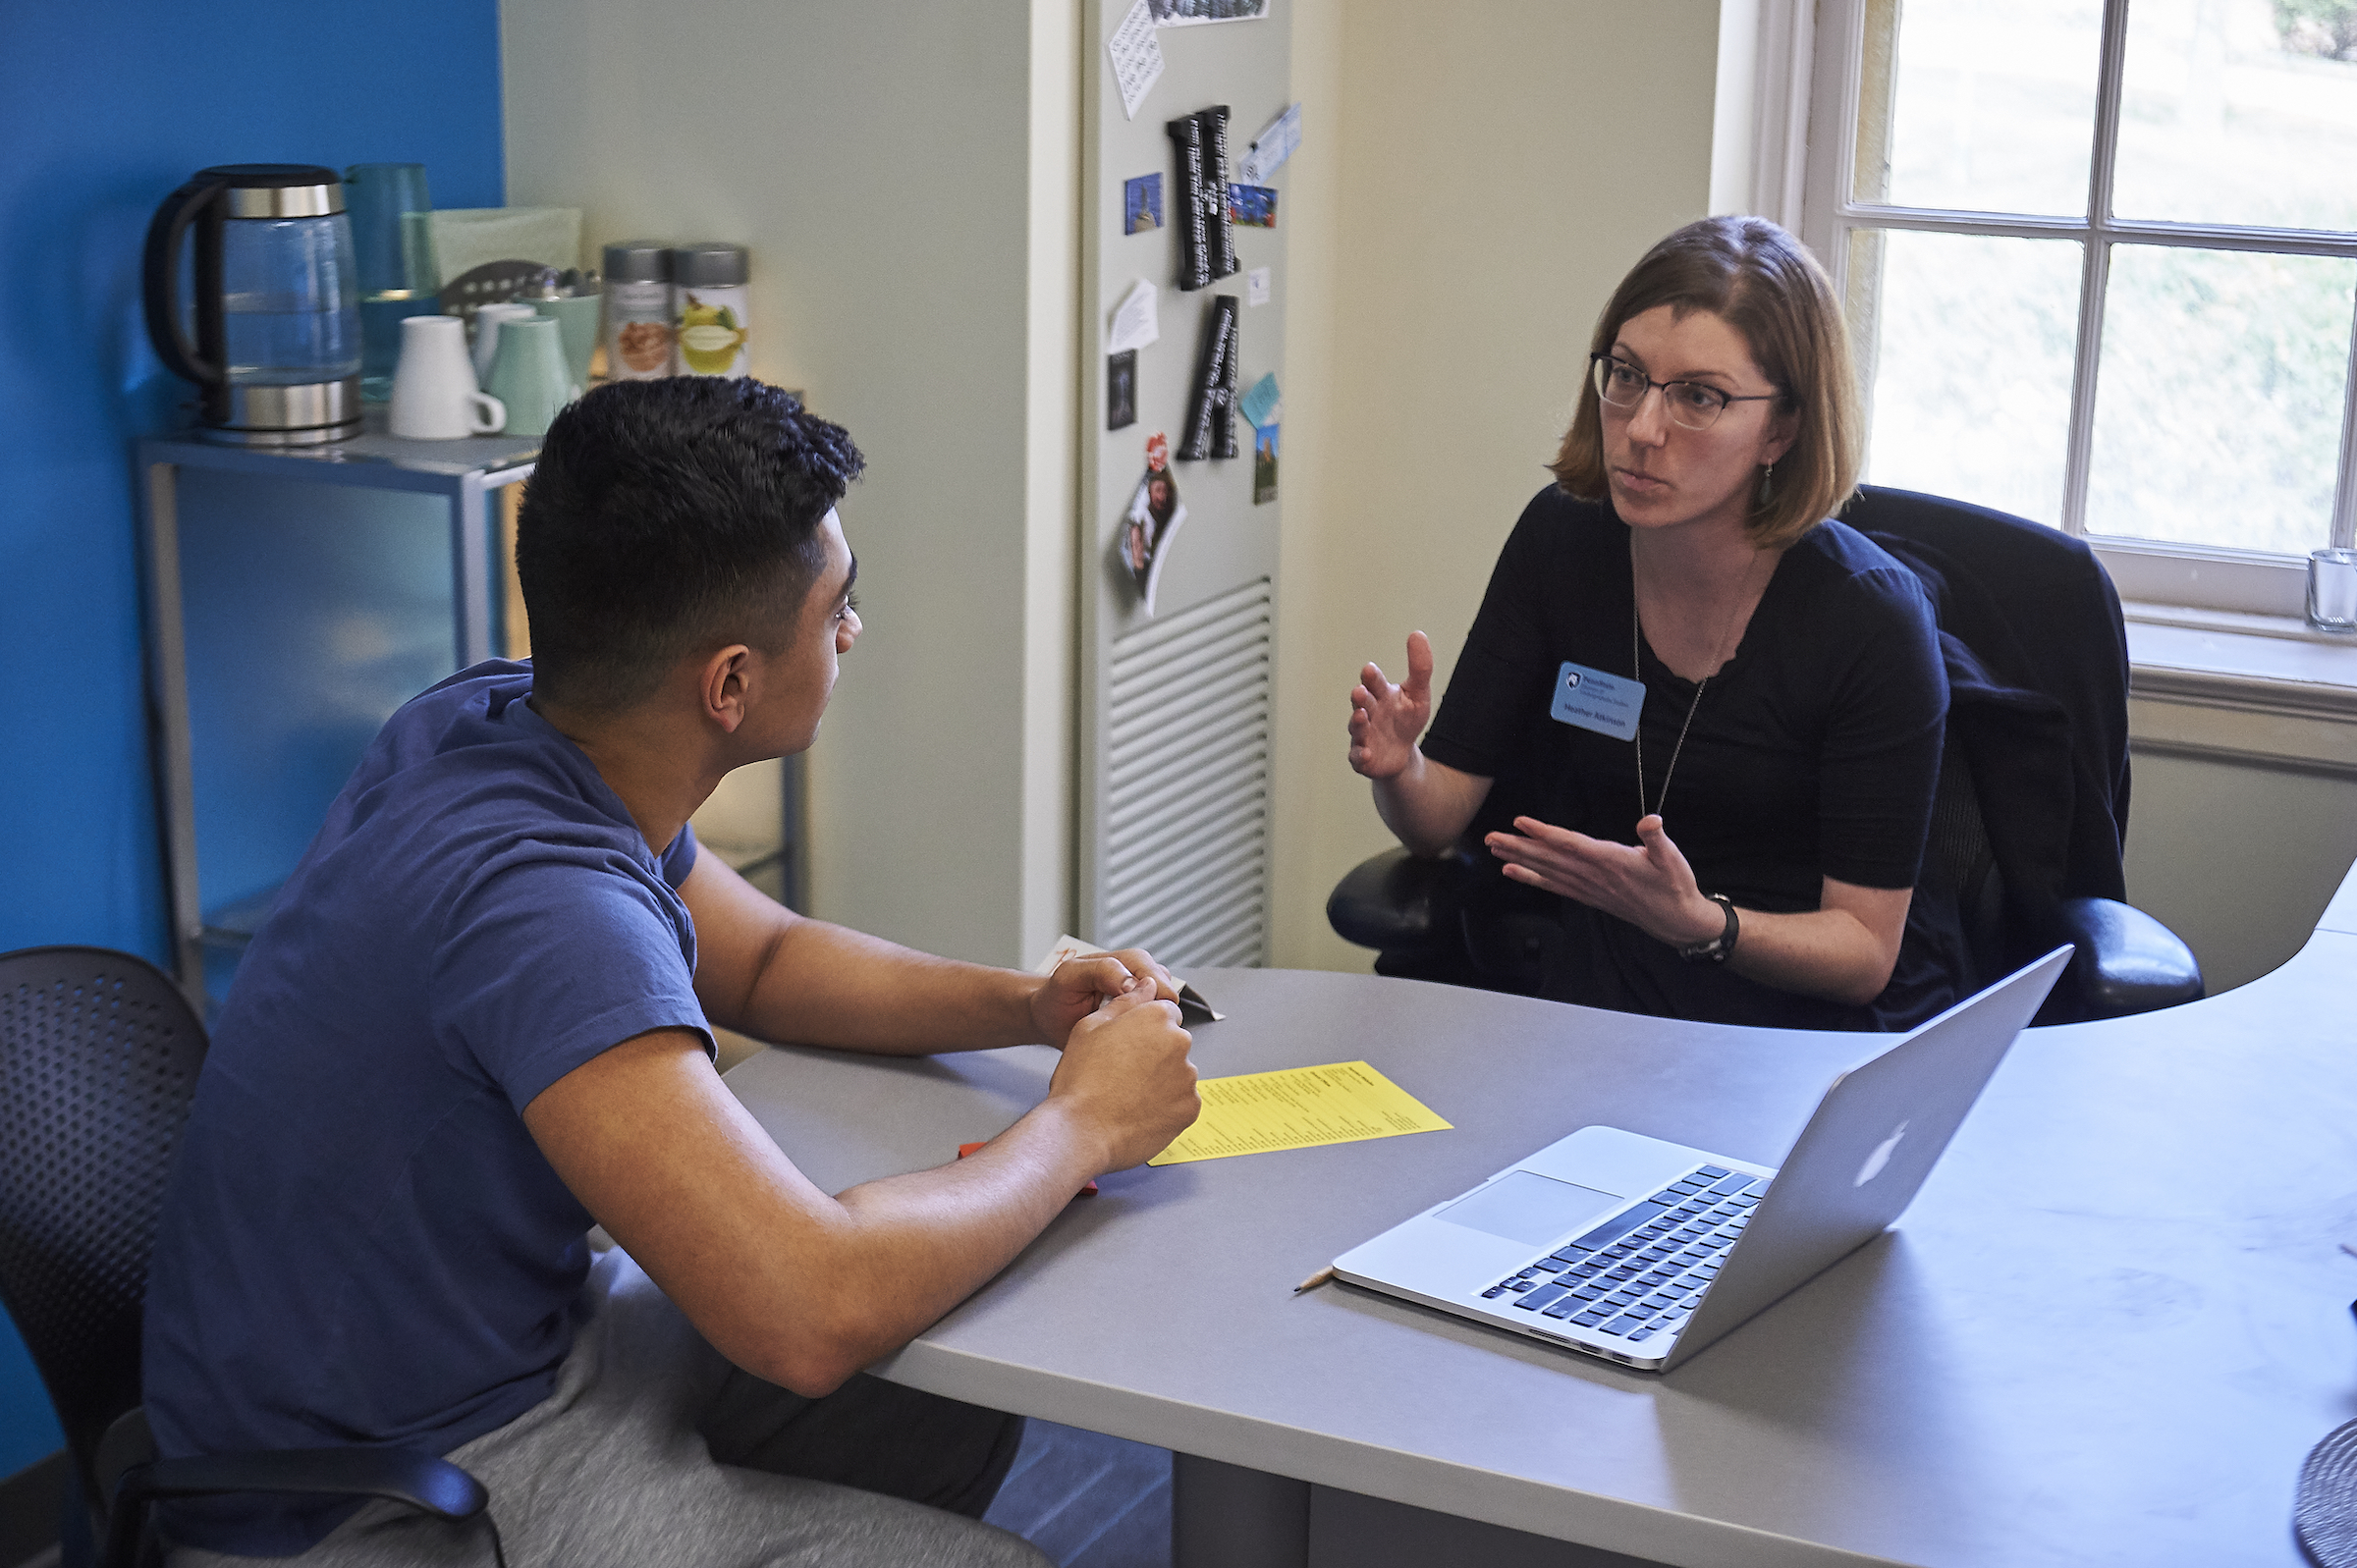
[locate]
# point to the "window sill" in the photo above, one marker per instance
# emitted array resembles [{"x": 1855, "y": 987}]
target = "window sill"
[
  {"x": 2232, "y": 685},
  {"x": 2274, "y": 664}
]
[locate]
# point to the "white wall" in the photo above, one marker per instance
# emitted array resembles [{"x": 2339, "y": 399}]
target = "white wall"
[
  {"x": 905, "y": 175},
  {"x": 1463, "y": 210},
  {"x": 2238, "y": 855}
]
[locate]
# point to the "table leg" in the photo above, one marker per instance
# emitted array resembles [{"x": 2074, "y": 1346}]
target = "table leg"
[
  {"x": 168, "y": 725},
  {"x": 1225, "y": 1516},
  {"x": 470, "y": 569},
  {"x": 1352, "y": 1530}
]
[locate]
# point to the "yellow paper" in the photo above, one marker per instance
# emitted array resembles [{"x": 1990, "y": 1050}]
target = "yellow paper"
[{"x": 1299, "y": 1107}]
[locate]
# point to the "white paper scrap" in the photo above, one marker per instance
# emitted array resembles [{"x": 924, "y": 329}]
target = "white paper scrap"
[
  {"x": 1135, "y": 320},
  {"x": 1257, "y": 287},
  {"x": 1136, "y": 57},
  {"x": 1277, "y": 141}
]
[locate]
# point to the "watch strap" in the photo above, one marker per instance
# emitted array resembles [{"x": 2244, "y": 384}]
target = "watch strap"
[{"x": 1715, "y": 948}]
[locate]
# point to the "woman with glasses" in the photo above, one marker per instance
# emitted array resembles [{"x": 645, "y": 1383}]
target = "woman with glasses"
[{"x": 1718, "y": 710}]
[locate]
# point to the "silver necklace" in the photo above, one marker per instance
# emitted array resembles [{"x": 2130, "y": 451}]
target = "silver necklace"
[{"x": 1636, "y": 667}]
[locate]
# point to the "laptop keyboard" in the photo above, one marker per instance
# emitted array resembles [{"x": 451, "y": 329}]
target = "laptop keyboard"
[{"x": 1640, "y": 1274}]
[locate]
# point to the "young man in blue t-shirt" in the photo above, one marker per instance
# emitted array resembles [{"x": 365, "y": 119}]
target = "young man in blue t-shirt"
[{"x": 478, "y": 1019}]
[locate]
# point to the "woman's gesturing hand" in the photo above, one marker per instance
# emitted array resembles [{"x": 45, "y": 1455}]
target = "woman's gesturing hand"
[
  {"x": 1647, "y": 883},
  {"x": 1386, "y": 721}
]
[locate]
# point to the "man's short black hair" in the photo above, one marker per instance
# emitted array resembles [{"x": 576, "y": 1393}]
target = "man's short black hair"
[{"x": 667, "y": 513}]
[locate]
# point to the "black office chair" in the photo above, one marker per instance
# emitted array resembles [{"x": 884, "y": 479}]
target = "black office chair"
[
  {"x": 98, "y": 1061},
  {"x": 2027, "y": 824}
]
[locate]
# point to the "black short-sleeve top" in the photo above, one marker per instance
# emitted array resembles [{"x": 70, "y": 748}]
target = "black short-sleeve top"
[{"x": 1813, "y": 754}]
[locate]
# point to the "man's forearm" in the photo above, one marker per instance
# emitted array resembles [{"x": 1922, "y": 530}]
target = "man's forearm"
[
  {"x": 823, "y": 985},
  {"x": 925, "y": 1241},
  {"x": 798, "y": 1287}
]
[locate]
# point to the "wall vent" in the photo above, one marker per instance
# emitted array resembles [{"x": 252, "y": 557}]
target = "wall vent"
[{"x": 1185, "y": 851}]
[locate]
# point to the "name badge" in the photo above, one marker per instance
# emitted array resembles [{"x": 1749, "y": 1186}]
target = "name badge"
[{"x": 1594, "y": 700}]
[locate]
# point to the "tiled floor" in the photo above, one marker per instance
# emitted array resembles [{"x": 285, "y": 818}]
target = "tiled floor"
[{"x": 1088, "y": 1501}]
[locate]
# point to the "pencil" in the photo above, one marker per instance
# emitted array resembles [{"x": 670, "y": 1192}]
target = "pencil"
[{"x": 1315, "y": 1280}]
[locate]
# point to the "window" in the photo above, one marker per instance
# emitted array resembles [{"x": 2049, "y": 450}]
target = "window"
[{"x": 2100, "y": 259}]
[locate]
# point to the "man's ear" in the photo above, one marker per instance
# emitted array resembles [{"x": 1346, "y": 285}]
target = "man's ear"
[{"x": 721, "y": 686}]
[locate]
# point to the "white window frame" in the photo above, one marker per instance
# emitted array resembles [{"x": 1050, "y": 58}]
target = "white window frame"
[{"x": 1789, "y": 89}]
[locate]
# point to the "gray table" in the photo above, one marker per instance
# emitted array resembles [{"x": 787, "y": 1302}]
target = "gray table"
[{"x": 2107, "y": 1331}]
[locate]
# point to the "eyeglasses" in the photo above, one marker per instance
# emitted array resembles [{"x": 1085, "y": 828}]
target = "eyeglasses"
[{"x": 1691, "y": 404}]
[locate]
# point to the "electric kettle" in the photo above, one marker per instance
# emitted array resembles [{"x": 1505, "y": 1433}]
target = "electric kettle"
[{"x": 276, "y": 301}]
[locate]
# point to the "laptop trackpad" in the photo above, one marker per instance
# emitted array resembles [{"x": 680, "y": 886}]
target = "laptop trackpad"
[{"x": 1530, "y": 1208}]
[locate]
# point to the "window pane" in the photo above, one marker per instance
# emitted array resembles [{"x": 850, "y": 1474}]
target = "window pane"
[
  {"x": 2240, "y": 111},
  {"x": 1967, "y": 375},
  {"x": 2217, "y": 408},
  {"x": 1986, "y": 105}
]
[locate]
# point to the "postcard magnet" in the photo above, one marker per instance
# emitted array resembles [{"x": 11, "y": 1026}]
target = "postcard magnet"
[{"x": 1141, "y": 204}]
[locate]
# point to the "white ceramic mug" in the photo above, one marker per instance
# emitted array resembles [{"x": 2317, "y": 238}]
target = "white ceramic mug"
[
  {"x": 487, "y": 334},
  {"x": 434, "y": 394}
]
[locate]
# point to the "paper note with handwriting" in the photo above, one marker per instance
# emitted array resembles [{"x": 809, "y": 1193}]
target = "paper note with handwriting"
[
  {"x": 1136, "y": 57},
  {"x": 1298, "y": 1108}
]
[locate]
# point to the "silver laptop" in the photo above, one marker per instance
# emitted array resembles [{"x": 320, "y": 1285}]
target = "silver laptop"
[{"x": 1643, "y": 1252}]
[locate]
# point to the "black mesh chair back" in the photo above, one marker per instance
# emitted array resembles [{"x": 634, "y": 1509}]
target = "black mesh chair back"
[{"x": 98, "y": 1060}]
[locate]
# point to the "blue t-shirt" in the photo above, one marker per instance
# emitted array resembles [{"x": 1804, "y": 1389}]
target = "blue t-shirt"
[{"x": 361, "y": 1242}]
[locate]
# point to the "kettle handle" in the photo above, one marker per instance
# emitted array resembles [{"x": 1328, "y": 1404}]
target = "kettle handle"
[{"x": 165, "y": 232}]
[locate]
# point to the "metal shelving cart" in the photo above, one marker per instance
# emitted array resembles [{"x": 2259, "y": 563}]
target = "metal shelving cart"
[{"x": 464, "y": 474}]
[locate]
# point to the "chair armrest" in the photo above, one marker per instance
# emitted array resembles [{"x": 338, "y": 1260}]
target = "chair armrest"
[
  {"x": 2128, "y": 962},
  {"x": 422, "y": 1482},
  {"x": 1397, "y": 902}
]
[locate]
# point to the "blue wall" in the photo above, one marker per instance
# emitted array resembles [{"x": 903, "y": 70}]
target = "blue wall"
[{"x": 105, "y": 106}]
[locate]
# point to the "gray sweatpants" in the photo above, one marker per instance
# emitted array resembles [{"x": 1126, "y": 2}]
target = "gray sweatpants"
[{"x": 652, "y": 1449}]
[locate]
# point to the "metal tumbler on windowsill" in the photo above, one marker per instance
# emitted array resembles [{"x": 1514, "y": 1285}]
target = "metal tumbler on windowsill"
[{"x": 2333, "y": 590}]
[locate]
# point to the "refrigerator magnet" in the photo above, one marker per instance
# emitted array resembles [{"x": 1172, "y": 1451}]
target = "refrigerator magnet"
[
  {"x": 1120, "y": 390},
  {"x": 1150, "y": 521},
  {"x": 1141, "y": 204}
]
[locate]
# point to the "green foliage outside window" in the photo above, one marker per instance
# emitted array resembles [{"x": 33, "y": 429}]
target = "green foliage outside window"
[{"x": 2326, "y": 27}]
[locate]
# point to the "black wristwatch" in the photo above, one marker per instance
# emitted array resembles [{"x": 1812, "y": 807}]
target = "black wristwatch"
[{"x": 1716, "y": 948}]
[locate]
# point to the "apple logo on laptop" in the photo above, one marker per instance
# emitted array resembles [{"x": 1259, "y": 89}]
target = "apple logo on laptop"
[{"x": 1881, "y": 1156}]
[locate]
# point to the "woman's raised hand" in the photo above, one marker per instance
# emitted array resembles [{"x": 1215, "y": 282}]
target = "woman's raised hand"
[{"x": 1386, "y": 721}]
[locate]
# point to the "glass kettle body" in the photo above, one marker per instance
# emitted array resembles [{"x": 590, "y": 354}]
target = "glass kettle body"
[{"x": 276, "y": 347}]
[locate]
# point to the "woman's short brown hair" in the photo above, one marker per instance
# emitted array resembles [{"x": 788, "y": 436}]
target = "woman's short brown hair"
[{"x": 1761, "y": 281}]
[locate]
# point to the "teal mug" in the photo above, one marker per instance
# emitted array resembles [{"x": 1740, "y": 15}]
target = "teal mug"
[
  {"x": 576, "y": 320},
  {"x": 529, "y": 374}
]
